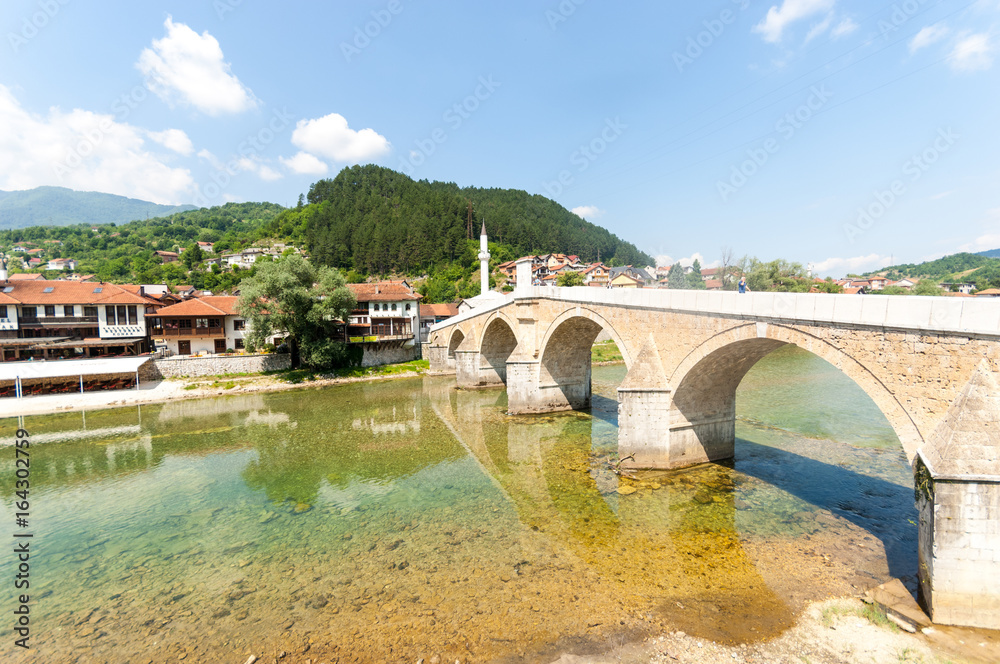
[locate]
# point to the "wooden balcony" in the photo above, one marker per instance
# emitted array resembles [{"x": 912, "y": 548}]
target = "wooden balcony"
[
  {"x": 188, "y": 332},
  {"x": 55, "y": 321}
]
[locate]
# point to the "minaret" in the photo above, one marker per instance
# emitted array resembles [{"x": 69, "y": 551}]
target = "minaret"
[{"x": 484, "y": 263}]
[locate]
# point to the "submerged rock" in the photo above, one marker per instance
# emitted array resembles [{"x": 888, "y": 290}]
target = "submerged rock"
[
  {"x": 625, "y": 489},
  {"x": 302, "y": 507}
]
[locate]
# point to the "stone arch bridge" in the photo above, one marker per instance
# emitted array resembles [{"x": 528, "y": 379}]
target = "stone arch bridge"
[{"x": 930, "y": 364}]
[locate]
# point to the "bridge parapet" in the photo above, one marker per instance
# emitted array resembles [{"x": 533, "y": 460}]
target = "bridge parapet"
[{"x": 897, "y": 312}]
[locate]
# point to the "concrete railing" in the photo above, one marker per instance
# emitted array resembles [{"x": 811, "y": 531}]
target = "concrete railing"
[{"x": 980, "y": 316}]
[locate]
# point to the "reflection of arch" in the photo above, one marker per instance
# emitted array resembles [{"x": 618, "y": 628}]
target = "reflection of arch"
[
  {"x": 457, "y": 337},
  {"x": 706, "y": 380},
  {"x": 499, "y": 342}
]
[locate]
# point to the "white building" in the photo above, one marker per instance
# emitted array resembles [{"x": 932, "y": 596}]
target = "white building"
[{"x": 206, "y": 325}]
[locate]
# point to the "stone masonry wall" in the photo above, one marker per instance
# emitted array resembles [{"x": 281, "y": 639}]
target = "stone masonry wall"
[
  {"x": 212, "y": 366},
  {"x": 378, "y": 356},
  {"x": 964, "y": 553}
]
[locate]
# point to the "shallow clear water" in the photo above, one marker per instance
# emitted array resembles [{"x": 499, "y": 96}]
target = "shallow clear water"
[{"x": 395, "y": 520}]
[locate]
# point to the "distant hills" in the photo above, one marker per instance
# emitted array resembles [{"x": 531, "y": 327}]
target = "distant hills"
[
  {"x": 982, "y": 269},
  {"x": 992, "y": 253},
  {"x": 58, "y": 206}
]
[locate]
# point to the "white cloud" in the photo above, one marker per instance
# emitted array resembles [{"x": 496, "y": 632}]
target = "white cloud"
[
  {"x": 268, "y": 174},
  {"x": 305, "y": 164},
  {"x": 84, "y": 151},
  {"x": 330, "y": 137},
  {"x": 972, "y": 53},
  {"x": 587, "y": 211},
  {"x": 844, "y": 28},
  {"x": 989, "y": 240},
  {"x": 664, "y": 260},
  {"x": 838, "y": 267},
  {"x": 943, "y": 194},
  {"x": 927, "y": 36},
  {"x": 189, "y": 69},
  {"x": 778, "y": 19},
  {"x": 173, "y": 139},
  {"x": 819, "y": 28}
]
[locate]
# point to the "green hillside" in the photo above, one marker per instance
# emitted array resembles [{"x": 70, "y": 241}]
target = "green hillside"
[
  {"x": 377, "y": 221},
  {"x": 980, "y": 269},
  {"x": 368, "y": 221},
  {"x": 58, "y": 206}
]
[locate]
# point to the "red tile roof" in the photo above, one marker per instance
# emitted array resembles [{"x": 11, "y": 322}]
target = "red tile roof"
[
  {"x": 383, "y": 291},
  {"x": 70, "y": 292},
  {"x": 209, "y": 305},
  {"x": 446, "y": 309},
  {"x": 26, "y": 276}
]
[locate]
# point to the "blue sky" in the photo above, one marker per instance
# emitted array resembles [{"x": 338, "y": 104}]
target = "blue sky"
[{"x": 839, "y": 133}]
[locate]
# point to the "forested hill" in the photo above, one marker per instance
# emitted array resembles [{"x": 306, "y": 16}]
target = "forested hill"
[
  {"x": 376, "y": 221},
  {"x": 58, "y": 206}
]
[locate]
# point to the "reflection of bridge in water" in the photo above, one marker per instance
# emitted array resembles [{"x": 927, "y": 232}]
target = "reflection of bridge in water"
[
  {"x": 649, "y": 549},
  {"x": 931, "y": 365}
]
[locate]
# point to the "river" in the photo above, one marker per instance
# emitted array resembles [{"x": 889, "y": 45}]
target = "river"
[{"x": 387, "y": 521}]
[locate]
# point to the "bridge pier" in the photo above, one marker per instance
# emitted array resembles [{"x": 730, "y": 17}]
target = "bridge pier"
[
  {"x": 531, "y": 390},
  {"x": 470, "y": 373},
  {"x": 437, "y": 356},
  {"x": 957, "y": 487}
]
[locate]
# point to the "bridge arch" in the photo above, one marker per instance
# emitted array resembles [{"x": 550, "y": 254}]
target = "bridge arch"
[
  {"x": 704, "y": 383},
  {"x": 565, "y": 357},
  {"x": 454, "y": 341},
  {"x": 498, "y": 344}
]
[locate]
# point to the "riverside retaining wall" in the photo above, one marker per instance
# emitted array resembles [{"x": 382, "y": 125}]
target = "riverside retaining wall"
[{"x": 212, "y": 366}]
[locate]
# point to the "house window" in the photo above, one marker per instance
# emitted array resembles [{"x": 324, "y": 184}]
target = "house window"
[
  {"x": 238, "y": 344},
  {"x": 239, "y": 324},
  {"x": 393, "y": 306},
  {"x": 184, "y": 323},
  {"x": 122, "y": 314},
  {"x": 29, "y": 312},
  {"x": 201, "y": 322},
  {"x": 133, "y": 315},
  {"x": 110, "y": 311},
  {"x": 90, "y": 311},
  {"x": 69, "y": 310},
  {"x": 3, "y": 310},
  {"x": 50, "y": 310},
  {"x": 407, "y": 307}
]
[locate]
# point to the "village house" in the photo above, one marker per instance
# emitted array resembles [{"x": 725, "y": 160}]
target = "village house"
[
  {"x": 386, "y": 311},
  {"x": 431, "y": 314},
  {"x": 596, "y": 274},
  {"x": 203, "y": 325},
  {"x": 61, "y": 264},
  {"x": 245, "y": 258},
  {"x": 42, "y": 319},
  {"x": 167, "y": 256}
]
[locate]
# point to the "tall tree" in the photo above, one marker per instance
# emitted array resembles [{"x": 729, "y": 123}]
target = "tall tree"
[
  {"x": 569, "y": 278},
  {"x": 676, "y": 277},
  {"x": 293, "y": 297},
  {"x": 694, "y": 280}
]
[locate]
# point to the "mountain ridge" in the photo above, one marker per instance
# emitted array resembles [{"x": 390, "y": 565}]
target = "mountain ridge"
[{"x": 60, "y": 206}]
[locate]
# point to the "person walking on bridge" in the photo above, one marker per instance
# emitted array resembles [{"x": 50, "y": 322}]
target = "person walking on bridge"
[{"x": 743, "y": 285}]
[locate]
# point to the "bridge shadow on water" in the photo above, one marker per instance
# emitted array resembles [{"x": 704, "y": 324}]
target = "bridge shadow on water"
[
  {"x": 883, "y": 508},
  {"x": 604, "y": 409}
]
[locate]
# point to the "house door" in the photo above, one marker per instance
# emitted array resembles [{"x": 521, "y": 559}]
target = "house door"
[
  {"x": 184, "y": 347},
  {"x": 220, "y": 345}
]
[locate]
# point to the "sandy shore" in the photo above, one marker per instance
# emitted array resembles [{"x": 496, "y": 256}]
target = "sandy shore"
[{"x": 828, "y": 632}]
